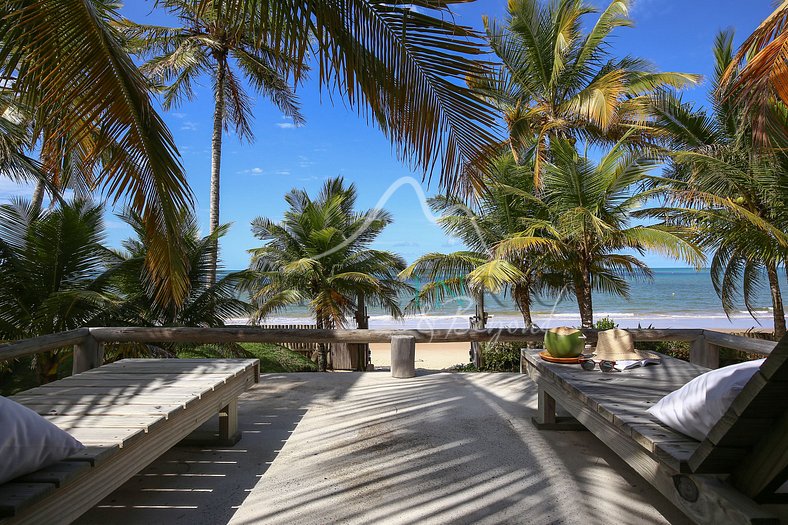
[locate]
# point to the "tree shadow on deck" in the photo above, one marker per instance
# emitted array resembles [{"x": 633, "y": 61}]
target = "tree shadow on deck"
[
  {"x": 207, "y": 484},
  {"x": 445, "y": 448}
]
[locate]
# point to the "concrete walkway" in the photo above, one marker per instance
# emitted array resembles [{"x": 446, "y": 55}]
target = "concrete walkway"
[{"x": 366, "y": 448}]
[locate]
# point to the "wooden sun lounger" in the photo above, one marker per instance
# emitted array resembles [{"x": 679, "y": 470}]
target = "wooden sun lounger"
[
  {"x": 730, "y": 477},
  {"x": 127, "y": 414}
]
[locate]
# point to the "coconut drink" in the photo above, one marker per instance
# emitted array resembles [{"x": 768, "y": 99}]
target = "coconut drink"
[{"x": 564, "y": 341}]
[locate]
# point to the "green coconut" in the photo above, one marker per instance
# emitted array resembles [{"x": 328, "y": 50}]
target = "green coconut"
[{"x": 564, "y": 341}]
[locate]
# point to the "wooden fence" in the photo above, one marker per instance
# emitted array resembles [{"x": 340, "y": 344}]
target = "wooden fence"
[
  {"x": 304, "y": 348},
  {"x": 88, "y": 342}
]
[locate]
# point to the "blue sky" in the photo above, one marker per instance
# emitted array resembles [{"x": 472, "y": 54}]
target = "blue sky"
[{"x": 676, "y": 35}]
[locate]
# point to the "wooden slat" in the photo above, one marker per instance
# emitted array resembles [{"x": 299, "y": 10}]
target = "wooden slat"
[
  {"x": 15, "y": 497},
  {"x": 62, "y": 408},
  {"x": 95, "y": 454},
  {"x": 193, "y": 387},
  {"x": 130, "y": 377},
  {"x": 59, "y": 474},
  {"x": 101, "y": 400},
  {"x": 102, "y": 436},
  {"x": 103, "y": 421}
]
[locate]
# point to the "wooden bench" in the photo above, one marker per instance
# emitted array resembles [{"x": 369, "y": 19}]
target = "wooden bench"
[
  {"x": 730, "y": 477},
  {"x": 127, "y": 414}
]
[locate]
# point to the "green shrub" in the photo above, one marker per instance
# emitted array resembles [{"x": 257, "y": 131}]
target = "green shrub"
[
  {"x": 499, "y": 357},
  {"x": 605, "y": 323},
  {"x": 273, "y": 358}
]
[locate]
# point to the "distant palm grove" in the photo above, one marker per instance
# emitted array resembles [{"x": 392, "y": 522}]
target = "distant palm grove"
[{"x": 560, "y": 163}]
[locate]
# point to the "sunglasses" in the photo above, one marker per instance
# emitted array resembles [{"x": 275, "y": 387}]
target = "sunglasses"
[{"x": 605, "y": 366}]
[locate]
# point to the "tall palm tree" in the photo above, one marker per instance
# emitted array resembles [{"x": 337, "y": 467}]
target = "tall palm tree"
[
  {"x": 53, "y": 265},
  {"x": 556, "y": 81},
  {"x": 212, "y": 42},
  {"x": 733, "y": 195},
  {"x": 582, "y": 229},
  {"x": 319, "y": 254},
  {"x": 65, "y": 60},
  {"x": 496, "y": 216}
]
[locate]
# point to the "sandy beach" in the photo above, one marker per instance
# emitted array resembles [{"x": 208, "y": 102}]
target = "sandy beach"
[{"x": 431, "y": 356}]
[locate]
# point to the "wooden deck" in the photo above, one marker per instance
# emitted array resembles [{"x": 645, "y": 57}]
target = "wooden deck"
[{"x": 127, "y": 414}]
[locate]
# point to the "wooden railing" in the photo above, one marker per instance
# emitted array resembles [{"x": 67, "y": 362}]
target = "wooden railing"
[{"x": 88, "y": 343}]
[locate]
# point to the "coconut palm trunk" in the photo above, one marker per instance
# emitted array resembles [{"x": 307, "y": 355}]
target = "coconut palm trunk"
[
  {"x": 583, "y": 292},
  {"x": 522, "y": 298},
  {"x": 216, "y": 159},
  {"x": 777, "y": 301},
  {"x": 38, "y": 196}
]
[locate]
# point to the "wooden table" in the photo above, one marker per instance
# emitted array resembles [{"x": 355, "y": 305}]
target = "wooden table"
[{"x": 613, "y": 407}]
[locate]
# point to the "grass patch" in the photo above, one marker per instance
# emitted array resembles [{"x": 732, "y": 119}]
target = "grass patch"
[{"x": 273, "y": 358}]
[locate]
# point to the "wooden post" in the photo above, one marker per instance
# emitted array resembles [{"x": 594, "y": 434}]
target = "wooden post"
[
  {"x": 87, "y": 354},
  {"x": 362, "y": 323},
  {"x": 403, "y": 356},
  {"x": 545, "y": 413},
  {"x": 704, "y": 353},
  {"x": 228, "y": 424}
]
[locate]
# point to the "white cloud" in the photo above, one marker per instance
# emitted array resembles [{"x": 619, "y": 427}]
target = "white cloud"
[
  {"x": 178, "y": 115},
  {"x": 286, "y": 125},
  {"x": 189, "y": 126},
  {"x": 251, "y": 171},
  {"x": 304, "y": 161},
  {"x": 282, "y": 172}
]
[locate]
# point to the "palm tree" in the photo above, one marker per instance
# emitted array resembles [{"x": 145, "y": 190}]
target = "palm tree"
[
  {"x": 53, "y": 265},
  {"x": 207, "y": 304},
  {"x": 212, "y": 42},
  {"x": 582, "y": 227},
  {"x": 757, "y": 73},
  {"x": 65, "y": 60},
  {"x": 733, "y": 195},
  {"x": 496, "y": 217},
  {"x": 319, "y": 253},
  {"x": 556, "y": 81},
  {"x": 395, "y": 63}
]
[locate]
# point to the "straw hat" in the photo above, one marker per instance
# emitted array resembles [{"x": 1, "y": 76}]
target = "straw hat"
[{"x": 617, "y": 345}]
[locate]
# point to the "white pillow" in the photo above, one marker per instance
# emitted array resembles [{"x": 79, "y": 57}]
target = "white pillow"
[
  {"x": 697, "y": 406},
  {"x": 29, "y": 442}
]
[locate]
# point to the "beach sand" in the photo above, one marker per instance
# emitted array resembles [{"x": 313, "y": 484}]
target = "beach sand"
[{"x": 429, "y": 356}]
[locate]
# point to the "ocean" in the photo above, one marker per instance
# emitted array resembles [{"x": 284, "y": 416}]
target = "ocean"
[{"x": 674, "y": 298}]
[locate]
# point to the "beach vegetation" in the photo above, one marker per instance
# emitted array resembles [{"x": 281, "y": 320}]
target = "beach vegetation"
[
  {"x": 319, "y": 254},
  {"x": 728, "y": 193},
  {"x": 91, "y": 111},
  {"x": 583, "y": 228},
  {"x": 206, "y": 304},
  {"x": 53, "y": 265},
  {"x": 555, "y": 80},
  {"x": 496, "y": 216}
]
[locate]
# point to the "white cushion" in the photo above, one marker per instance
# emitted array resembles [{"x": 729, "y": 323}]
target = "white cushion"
[
  {"x": 29, "y": 442},
  {"x": 697, "y": 406}
]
